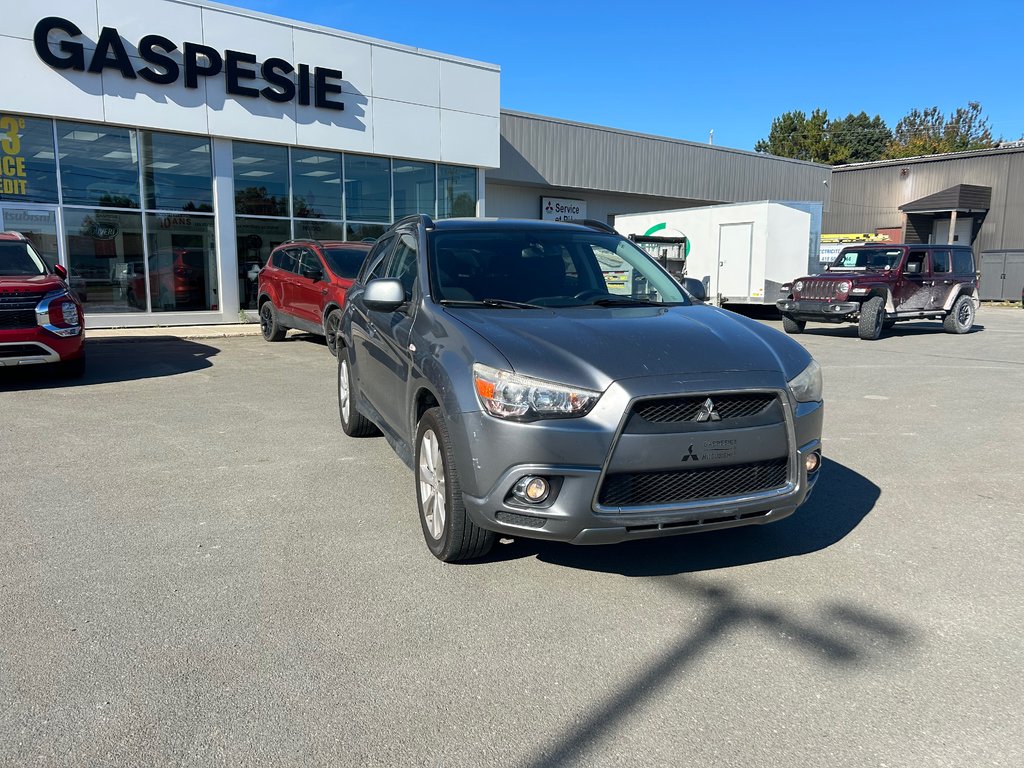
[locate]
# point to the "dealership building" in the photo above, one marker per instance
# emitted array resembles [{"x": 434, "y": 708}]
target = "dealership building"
[{"x": 160, "y": 149}]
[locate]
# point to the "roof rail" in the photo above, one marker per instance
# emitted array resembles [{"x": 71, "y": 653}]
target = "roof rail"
[
  {"x": 595, "y": 224},
  {"x": 312, "y": 240},
  {"x": 19, "y": 235},
  {"x": 419, "y": 218}
]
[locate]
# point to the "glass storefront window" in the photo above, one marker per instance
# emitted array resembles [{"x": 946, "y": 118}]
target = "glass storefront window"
[
  {"x": 256, "y": 239},
  {"x": 415, "y": 188},
  {"x": 261, "y": 179},
  {"x": 105, "y": 253},
  {"x": 319, "y": 229},
  {"x": 367, "y": 188},
  {"x": 316, "y": 182},
  {"x": 182, "y": 263},
  {"x": 28, "y": 166},
  {"x": 358, "y": 233},
  {"x": 99, "y": 165},
  {"x": 456, "y": 191},
  {"x": 177, "y": 172}
]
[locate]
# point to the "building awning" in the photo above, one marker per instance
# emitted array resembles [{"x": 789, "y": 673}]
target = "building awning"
[{"x": 963, "y": 198}]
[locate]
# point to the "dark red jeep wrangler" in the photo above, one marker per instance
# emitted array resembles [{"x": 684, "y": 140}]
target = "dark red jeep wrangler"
[
  {"x": 877, "y": 286},
  {"x": 41, "y": 318}
]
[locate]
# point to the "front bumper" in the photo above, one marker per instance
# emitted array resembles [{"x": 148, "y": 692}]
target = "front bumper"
[
  {"x": 33, "y": 346},
  {"x": 820, "y": 311},
  {"x": 580, "y": 455}
]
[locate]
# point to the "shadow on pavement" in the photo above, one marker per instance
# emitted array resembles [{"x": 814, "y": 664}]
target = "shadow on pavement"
[
  {"x": 911, "y": 328},
  {"x": 113, "y": 360},
  {"x": 841, "y": 499}
]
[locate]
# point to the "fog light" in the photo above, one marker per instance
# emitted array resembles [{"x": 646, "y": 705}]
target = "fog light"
[
  {"x": 812, "y": 461},
  {"x": 531, "y": 490}
]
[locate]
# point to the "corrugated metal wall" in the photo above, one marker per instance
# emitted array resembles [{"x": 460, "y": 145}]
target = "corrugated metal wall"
[
  {"x": 551, "y": 153},
  {"x": 867, "y": 197}
]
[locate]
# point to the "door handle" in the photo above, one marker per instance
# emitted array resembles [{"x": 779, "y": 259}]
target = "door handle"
[
  {"x": 323, "y": 291},
  {"x": 947, "y": 282},
  {"x": 927, "y": 282}
]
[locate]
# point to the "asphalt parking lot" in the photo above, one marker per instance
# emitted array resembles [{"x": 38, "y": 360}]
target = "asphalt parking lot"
[{"x": 198, "y": 568}]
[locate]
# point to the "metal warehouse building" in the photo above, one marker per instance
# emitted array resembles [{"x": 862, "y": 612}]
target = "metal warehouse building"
[{"x": 965, "y": 197}]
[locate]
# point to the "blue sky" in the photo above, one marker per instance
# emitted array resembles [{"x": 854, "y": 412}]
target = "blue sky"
[{"x": 681, "y": 69}]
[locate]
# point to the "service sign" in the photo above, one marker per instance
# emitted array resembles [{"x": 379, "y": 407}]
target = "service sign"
[
  {"x": 827, "y": 252},
  {"x": 562, "y": 209}
]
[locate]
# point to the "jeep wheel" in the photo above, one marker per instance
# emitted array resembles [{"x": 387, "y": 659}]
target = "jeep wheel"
[
  {"x": 353, "y": 422},
  {"x": 872, "y": 318},
  {"x": 272, "y": 330},
  {"x": 961, "y": 317},
  {"x": 450, "y": 535},
  {"x": 789, "y": 325},
  {"x": 331, "y": 325}
]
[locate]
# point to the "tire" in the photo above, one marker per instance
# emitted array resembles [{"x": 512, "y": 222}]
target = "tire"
[
  {"x": 353, "y": 422},
  {"x": 272, "y": 330},
  {"x": 961, "y": 315},
  {"x": 450, "y": 534},
  {"x": 331, "y": 325},
  {"x": 789, "y": 325},
  {"x": 872, "y": 318},
  {"x": 72, "y": 369}
]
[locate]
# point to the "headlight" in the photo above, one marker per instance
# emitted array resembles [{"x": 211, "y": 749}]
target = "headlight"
[
  {"x": 806, "y": 387},
  {"x": 798, "y": 286},
  {"x": 508, "y": 395},
  {"x": 843, "y": 287}
]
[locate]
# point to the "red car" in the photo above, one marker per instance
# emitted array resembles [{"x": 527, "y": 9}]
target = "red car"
[
  {"x": 303, "y": 287},
  {"x": 41, "y": 319}
]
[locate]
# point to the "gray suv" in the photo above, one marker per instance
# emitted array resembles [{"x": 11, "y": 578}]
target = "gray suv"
[{"x": 550, "y": 380}]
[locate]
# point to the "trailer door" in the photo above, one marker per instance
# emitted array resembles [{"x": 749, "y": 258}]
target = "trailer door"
[{"x": 735, "y": 252}]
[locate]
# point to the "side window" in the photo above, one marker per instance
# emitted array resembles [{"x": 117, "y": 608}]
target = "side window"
[
  {"x": 940, "y": 261},
  {"x": 404, "y": 265},
  {"x": 309, "y": 260},
  {"x": 963, "y": 261},
  {"x": 916, "y": 262},
  {"x": 286, "y": 259},
  {"x": 374, "y": 265}
]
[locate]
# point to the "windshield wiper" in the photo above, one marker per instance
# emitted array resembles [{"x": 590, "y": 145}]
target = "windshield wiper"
[
  {"x": 499, "y": 303},
  {"x": 625, "y": 301}
]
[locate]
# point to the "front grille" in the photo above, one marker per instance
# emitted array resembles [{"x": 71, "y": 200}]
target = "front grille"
[
  {"x": 12, "y": 319},
  {"x": 20, "y": 300},
  {"x": 526, "y": 521},
  {"x": 821, "y": 290},
  {"x": 678, "y": 486},
  {"x": 21, "y": 350},
  {"x": 679, "y": 409}
]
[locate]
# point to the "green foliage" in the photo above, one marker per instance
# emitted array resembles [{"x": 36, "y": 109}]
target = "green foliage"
[
  {"x": 858, "y": 138},
  {"x": 928, "y": 132}
]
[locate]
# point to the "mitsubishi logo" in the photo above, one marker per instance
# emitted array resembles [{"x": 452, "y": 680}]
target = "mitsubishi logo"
[{"x": 707, "y": 412}]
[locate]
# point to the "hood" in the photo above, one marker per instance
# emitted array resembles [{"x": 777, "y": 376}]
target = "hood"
[
  {"x": 35, "y": 284},
  {"x": 592, "y": 347}
]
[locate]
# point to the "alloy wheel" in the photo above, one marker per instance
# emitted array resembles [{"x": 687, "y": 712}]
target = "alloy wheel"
[
  {"x": 265, "y": 319},
  {"x": 344, "y": 391},
  {"x": 432, "y": 485},
  {"x": 963, "y": 315}
]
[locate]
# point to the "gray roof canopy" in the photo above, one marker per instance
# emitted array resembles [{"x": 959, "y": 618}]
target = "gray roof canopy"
[{"x": 963, "y": 197}]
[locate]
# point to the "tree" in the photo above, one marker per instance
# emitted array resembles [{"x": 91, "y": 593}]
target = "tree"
[
  {"x": 928, "y": 132},
  {"x": 853, "y": 139}
]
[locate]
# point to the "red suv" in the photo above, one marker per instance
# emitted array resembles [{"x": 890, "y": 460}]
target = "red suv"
[
  {"x": 41, "y": 319},
  {"x": 303, "y": 287}
]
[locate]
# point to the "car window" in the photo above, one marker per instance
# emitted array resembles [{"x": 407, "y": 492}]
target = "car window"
[
  {"x": 963, "y": 261},
  {"x": 940, "y": 261},
  {"x": 308, "y": 260},
  {"x": 374, "y": 265},
  {"x": 17, "y": 258},
  {"x": 403, "y": 264},
  {"x": 916, "y": 262},
  {"x": 345, "y": 262},
  {"x": 868, "y": 258},
  {"x": 286, "y": 259}
]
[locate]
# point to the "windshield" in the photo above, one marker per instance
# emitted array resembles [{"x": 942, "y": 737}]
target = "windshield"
[
  {"x": 18, "y": 258},
  {"x": 550, "y": 268},
  {"x": 345, "y": 262},
  {"x": 868, "y": 258}
]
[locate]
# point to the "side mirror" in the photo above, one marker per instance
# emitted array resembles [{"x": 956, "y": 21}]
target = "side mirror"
[
  {"x": 913, "y": 268},
  {"x": 61, "y": 271},
  {"x": 313, "y": 273},
  {"x": 695, "y": 288},
  {"x": 384, "y": 295}
]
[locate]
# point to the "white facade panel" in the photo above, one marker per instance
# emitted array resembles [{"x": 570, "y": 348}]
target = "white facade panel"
[
  {"x": 67, "y": 94},
  {"x": 470, "y": 139},
  {"x": 20, "y": 18},
  {"x": 351, "y": 57},
  {"x": 223, "y": 30},
  {"x": 469, "y": 89},
  {"x": 135, "y": 19},
  {"x": 402, "y": 76},
  {"x": 355, "y": 122},
  {"x": 406, "y": 130},
  {"x": 251, "y": 119},
  {"x": 147, "y": 105}
]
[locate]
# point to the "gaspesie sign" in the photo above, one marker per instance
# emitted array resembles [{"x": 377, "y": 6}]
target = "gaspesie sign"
[{"x": 285, "y": 82}]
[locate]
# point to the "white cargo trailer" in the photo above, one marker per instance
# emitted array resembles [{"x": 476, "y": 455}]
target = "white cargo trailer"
[{"x": 744, "y": 252}]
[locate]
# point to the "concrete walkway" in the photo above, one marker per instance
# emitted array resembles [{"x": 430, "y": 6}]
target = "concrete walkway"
[{"x": 179, "y": 331}]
